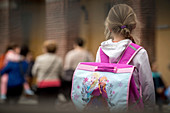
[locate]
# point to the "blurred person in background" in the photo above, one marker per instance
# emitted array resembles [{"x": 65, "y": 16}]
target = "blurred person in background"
[
  {"x": 159, "y": 85},
  {"x": 30, "y": 60},
  {"x": 13, "y": 73},
  {"x": 167, "y": 91},
  {"x": 25, "y": 56},
  {"x": 72, "y": 59},
  {"x": 48, "y": 69},
  {"x": 167, "y": 94},
  {"x": 4, "y": 78},
  {"x": 2, "y": 57},
  {"x": 12, "y": 55}
]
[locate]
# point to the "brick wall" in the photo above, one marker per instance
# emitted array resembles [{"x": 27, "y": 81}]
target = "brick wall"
[
  {"x": 11, "y": 29},
  {"x": 73, "y": 13},
  {"x": 56, "y": 24},
  {"x": 148, "y": 19},
  {"x": 4, "y": 31},
  {"x": 18, "y": 23},
  {"x": 15, "y": 26},
  {"x": 62, "y": 23}
]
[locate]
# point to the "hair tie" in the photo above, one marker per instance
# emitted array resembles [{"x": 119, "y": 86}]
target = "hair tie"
[{"x": 124, "y": 26}]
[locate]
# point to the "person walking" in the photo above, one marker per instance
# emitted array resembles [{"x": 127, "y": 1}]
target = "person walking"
[
  {"x": 48, "y": 69},
  {"x": 119, "y": 28},
  {"x": 12, "y": 55},
  {"x": 73, "y": 58},
  {"x": 14, "y": 83}
]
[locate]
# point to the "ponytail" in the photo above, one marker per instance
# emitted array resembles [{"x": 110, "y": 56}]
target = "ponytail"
[{"x": 126, "y": 32}]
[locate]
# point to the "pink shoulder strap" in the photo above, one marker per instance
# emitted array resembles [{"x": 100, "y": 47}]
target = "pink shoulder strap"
[
  {"x": 131, "y": 50},
  {"x": 129, "y": 53},
  {"x": 127, "y": 56},
  {"x": 103, "y": 57}
]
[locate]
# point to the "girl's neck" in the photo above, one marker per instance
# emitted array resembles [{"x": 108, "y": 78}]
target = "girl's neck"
[{"x": 117, "y": 38}]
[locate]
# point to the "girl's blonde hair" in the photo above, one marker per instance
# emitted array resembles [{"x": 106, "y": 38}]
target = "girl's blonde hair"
[
  {"x": 121, "y": 20},
  {"x": 96, "y": 80}
]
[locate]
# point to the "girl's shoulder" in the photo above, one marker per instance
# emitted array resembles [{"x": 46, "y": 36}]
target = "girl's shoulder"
[
  {"x": 106, "y": 42},
  {"x": 141, "y": 57},
  {"x": 143, "y": 52}
]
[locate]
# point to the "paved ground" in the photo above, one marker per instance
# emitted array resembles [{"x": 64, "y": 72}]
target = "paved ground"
[{"x": 31, "y": 105}]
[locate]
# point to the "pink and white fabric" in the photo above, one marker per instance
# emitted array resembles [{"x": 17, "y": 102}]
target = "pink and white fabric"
[
  {"x": 12, "y": 56},
  {"x": 114, "y": 82}
]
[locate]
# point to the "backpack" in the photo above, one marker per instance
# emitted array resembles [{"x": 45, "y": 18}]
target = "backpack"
[{"x": 113, "y": 83}]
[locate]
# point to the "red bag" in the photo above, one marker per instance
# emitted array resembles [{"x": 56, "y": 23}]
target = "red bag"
[{"x": 2, "y": 64}]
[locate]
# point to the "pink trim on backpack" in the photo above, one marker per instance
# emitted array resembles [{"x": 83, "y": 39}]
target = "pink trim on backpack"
[
  {"x": 103, "y": 68},
  {"x": 134, "y": 55},
  {"x": 122, "y": 70},
  {"x": 72, "y": 83},
  {"x": 123, "y": 53},
  {"x": 129, "y": 53},
  {"x": 86, "y": 67},
  {"x": 103, "y": 57},
  {"x": 106, "y": 65},
  {"x": 129, "y": 86}
]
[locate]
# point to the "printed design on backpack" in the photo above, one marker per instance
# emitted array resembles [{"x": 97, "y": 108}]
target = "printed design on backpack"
[
  {"x": 111, "y": 93},
  {"x": 89, "y": 84},
  {"x": 102, "y": 85},
  {"x": 111, "y": 87},
  {"x": 94, "y": 85}
]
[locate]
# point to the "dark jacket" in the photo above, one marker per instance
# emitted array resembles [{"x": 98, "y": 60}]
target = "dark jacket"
[{"x": 16, "y": 72}]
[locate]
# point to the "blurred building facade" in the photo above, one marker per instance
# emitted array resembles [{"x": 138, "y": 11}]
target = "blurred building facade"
[
  {"x": 31, "y": 22},
  {"x": 162, "y": 41}
]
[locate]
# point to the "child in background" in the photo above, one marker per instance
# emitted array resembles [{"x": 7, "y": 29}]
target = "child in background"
[
  {"x": 167, "y": 94},
  {"x": 12, "y": 54},
  {"x": 159, "y": 85}
]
